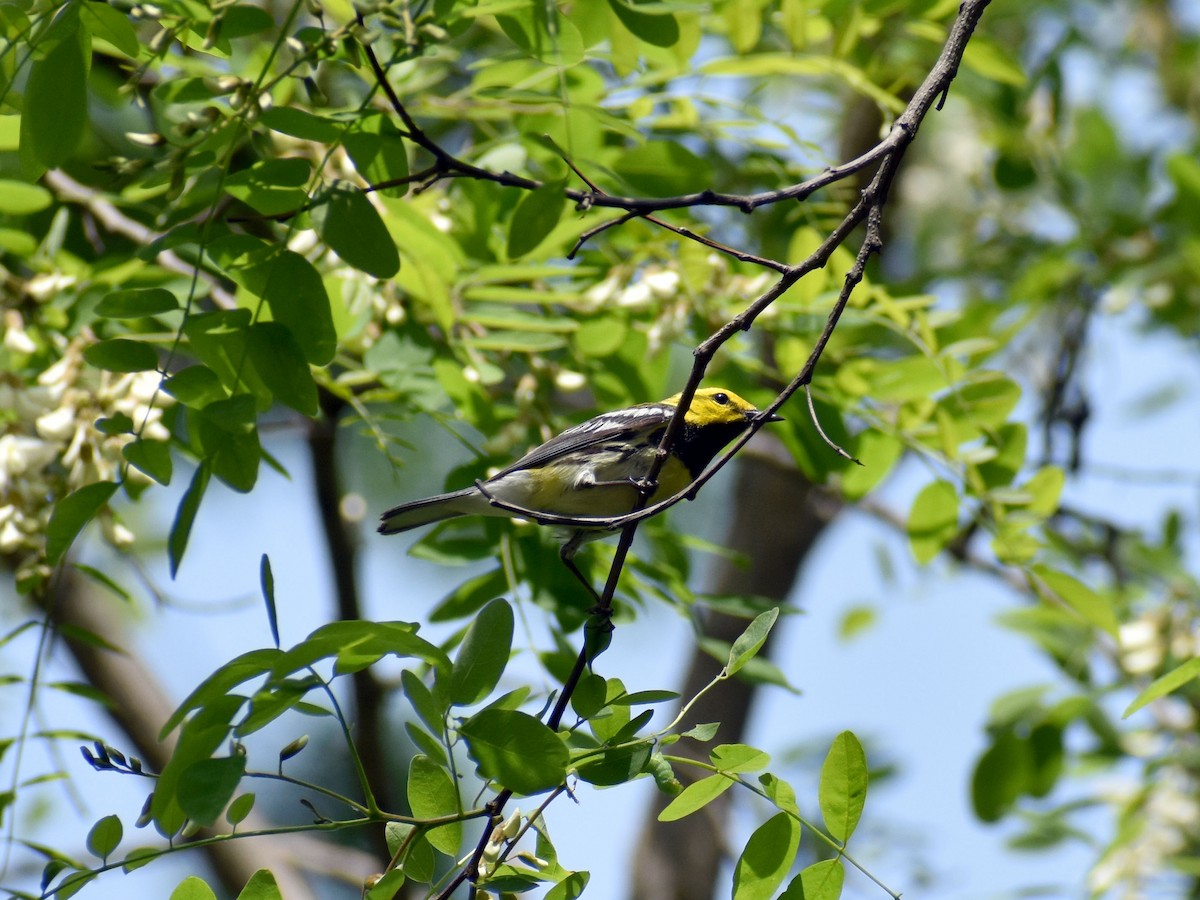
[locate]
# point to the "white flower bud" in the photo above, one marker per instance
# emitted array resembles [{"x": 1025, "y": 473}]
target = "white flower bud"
[
  {"x": 16, "y": 338},
  {"x": 58, "y": 425},
  {"x": 599, "y": 294},
  {"x": 662, "y": 284},
  {"x": 43, "y": 287},
  {"x": 12, "y": 538},
  {"x": 635, "y": 296},
  {"x": 567, "y": 380}
]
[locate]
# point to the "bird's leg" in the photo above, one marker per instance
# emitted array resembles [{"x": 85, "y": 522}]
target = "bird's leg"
[
  {"x": 598, "y": 628},
  {"x": 567, "y": 555}
]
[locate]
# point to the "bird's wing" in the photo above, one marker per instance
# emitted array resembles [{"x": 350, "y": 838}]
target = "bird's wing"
[{"x": 594, "y": 431}]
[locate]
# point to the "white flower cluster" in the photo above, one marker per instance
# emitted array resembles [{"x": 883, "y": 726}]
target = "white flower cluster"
[
  {"x": 1159, "y": 824},
  {"x": 50, "y": 446},
  {"x": 664, "y": 288}
]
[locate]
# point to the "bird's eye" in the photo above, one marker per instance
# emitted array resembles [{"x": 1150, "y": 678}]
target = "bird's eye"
[{"x": 721, "y": 398}]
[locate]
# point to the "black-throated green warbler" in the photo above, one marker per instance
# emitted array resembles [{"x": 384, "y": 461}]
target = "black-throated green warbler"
[{"x": 592, "y": 469}]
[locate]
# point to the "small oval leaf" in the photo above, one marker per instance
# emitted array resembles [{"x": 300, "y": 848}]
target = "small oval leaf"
[
  {"x": 72, "y": 513},
  {"x": 104, "y": 837},
  {"x": 751, "y": 640},
  {"x": 136, "y": 303},
  {"x": 843, "y": 788},
  {"x": 122, "y": 355},
  {"x": 352, "y": 228},
  {"x": 483, "y": 655}
]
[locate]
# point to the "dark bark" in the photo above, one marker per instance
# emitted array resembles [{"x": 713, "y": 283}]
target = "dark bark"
[{"x": 342, "y": 551}]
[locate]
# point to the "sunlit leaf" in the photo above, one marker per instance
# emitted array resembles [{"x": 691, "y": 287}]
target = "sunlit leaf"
[{"x": 843, "y": 788}]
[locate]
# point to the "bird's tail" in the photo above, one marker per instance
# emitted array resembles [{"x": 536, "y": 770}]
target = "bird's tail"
[{"x": 468, "y": 501}]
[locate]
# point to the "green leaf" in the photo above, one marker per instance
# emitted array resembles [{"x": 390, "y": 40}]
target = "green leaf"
[
  {"x": 432, "y": 793},
  {"x": 1045, "y": 487},
  {"x": 641, "y": 698},
  {"x": 353, "y": 229},
  {"x": 1086, "y": 603},
  {"x": 766, "y": 859},
  {"x": 933, "y": 521},
  {"x": 483, "y": 655},
  {"x": 266, "y": 581},
  {"x": 227, "y": 434},
  {"x": 695, "y": 796},
  {"x": 879, "y": 453},
  {"x": 470, "y": 596},
  {"x": 297, "y": 298},
  {"x": 150, "y": 457},
  {"x": 988, "y": 399},
  {"x": 616, "y": 765},
  {"x": 199, "y": 738},
  {"x": 17, "y": 198},
  {"x": 218, "y": 340},
  {"x": 377, "y": 150},
  {"x": 1046, "y": 759},
  {"x": 122, "y": 355},
  {"x": 1009, "y": 441},
  {"x": 570, "y": 887},
  {"x": 71, "y": 514},
  {"x": 528, "y": 27},
  {"x": 516, "y": 750},
  {"x": 663, "y": 169},
  {"x": 112, "y": 25},
  {"x": 534, "y": 218},
  {"x": 205, "y": 787},
  {"x": 301, "y": 123},
  {"x": 800, "y": 66},
  {"x": 237, "y": 671},
  {"x": 139, "y": 857},
  {"x": 261, "y": 886},
  {"x": 779, "y": 792},
  {"x": 193, "y": 888},
  {"x": 427, "y": 704},
  {"x": 425, "y": 742},
  {"x": 117, "y": 423},
  {"x": 988, "y": 58},
  {"x": 273, "y": 701},
  {"x": 54, "y": 111},
  {"x": 843, "y": 788},
  {"x": 239, "y": 809},
  {"x": 355, "y": 645},
  {"x": 195, "y": 386},
  {"x": 105, "y": 836},
  {"x": 751, "y": 640},
  {"x": 185, "y": 515},
  {"x": 272, "y": 186},
  {"x": 601, "y": 336},
  {"x": 136, "y": 303},
  {"x": 820, "y": 881},
  {"x": 387, "y": 887},
  {"x": 736, "y": 758},
  {"x": 704, "y": 732},
  {"x": 661, "y": 30},
  {"x": 1000, "y": 776},
  {"x": 1165, "y": 684},
  {"x": 281, "y": 365}
]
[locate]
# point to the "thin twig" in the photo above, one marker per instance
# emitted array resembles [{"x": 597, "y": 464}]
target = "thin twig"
[{"x": 812, "y": 412}]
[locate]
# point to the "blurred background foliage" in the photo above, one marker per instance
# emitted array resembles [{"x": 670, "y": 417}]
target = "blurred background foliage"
[{"x": 191, "y": 265}]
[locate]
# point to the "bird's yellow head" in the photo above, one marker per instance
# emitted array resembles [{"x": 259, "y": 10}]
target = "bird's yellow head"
[{"x": 717, "y": 406}]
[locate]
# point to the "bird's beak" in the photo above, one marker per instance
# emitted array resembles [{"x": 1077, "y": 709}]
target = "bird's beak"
[{"x": 769, "y": 417}]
